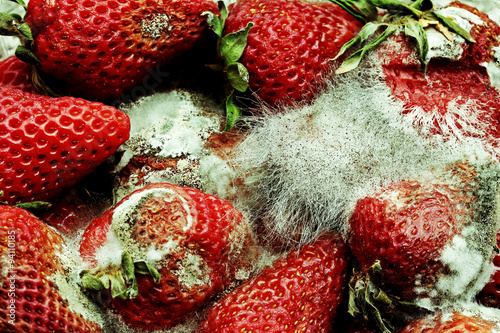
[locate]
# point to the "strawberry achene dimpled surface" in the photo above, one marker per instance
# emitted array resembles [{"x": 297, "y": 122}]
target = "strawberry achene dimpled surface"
[
  {"x": 201, "y": 240},
  {"x": 291, "y": 44},
  {"x": 101, "y": 49},
  {"x": 47, "y": 144},
  {"x": 407, "y": 239},
  {"x": 38, "y": 305},
  {"x": 299, "y": 293}
]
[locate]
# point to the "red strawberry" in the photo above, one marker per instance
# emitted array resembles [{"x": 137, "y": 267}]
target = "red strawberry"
[
  {"x": 72, "y": 211},
  {"x": 299, "y": 293},
  {"x": 30, "y": 300},
  {"x": 490, "y": 294},
  {"x": 187, "y": 246},
  {"x": 290, "y": 46},
  {"x": 16, "y": 74},
  {"x": 47, "y": 144},
  {"x": 453, "y": 322},
  {"x": 415, "y": 229},
  {"x": 102, "y": 49}
]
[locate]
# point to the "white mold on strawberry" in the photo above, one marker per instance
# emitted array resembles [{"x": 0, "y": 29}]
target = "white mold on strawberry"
[
  {"x": 173, "y": 139},
  {"x": 314, "y": 162}
]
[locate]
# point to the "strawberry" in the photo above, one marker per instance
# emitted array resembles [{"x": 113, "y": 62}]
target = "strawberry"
[
  {"x": 299, "y": 293},
  {"x": 423, "y": 232},
  {"x": 434, "y": 63},
  {"x": 99, "y": 50},
  {"x": 16, "y": 74},
  {"x": 30, "y": 300},
  {"x": 47, "y": 144},
  {"x": 71, "y": 211},
  {"x": 178, "y": 247},
  {"x": 490, "y": 294},
  {"x": 453, "y": 322},
  {"x": 290, "y": 45}
]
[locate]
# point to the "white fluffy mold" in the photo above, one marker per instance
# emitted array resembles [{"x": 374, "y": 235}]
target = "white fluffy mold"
[
  {"x": 305, "y": 169},
  {"x": 176, "y": 138}
]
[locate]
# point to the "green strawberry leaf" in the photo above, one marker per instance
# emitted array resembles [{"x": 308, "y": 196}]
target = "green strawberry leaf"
[
  {"x": 128, "y": 267},
  {"x": 141, "y": 267},
  {"x": 20, "y": 2},
  {"x": 453, "y": 26},
  {"x": 121, "y": 280},
  {"x": 91, "y": 282},
  {"x": 366, "y": 32},
  {"x": 363, "y": 10},
  {"x": 25, "y": 30},
  {"x": 223, "y": 12},
  {"x": 34, "y": 206},
  {"x": 233, "y": 112},
  {"x": 8, "y": 24},
  {"x": 214, "y": 23},
  {"x": 422, "y": 5},
  {"x": 415, "y": 30},
  {"x": 398, "y": 6},
  {"x": 238, "y": 76},
  {"x": 353, "y": 61},
  {"x": 26, "y": 55},
  {"x": 232, "y": 45}
]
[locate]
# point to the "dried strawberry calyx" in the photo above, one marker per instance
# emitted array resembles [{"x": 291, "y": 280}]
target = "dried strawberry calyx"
[
  {"x": 412, "y": 18},
  {"x": 120, "y": 281},
  {"x": 230, "y": 49},
  {"x": 368, "y": 298}
]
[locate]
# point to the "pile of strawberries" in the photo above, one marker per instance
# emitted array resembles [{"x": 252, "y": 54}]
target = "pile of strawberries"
[{"x": 419, "y": 255}]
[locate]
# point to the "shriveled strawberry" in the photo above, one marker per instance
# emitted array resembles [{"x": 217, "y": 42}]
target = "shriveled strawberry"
[
  {"x": 490, "y": 294},
  {"x": 454, "y": 322},
  {"x": 47, "y": 144},
  {"x": 290, "y": 46},
  {"x": 16, "y": 74},
  {"x": 424, "y": 232},
  {"x": 166, "y": 250},
  {"x": 299, "y": 293},
  {"x": 101, "y": 49},
  {"x": 30, "y": 300}
]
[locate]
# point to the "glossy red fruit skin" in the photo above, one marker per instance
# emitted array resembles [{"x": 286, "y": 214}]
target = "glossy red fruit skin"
[
  {"x": 167, "y": 303},
  {"x": 299, "y": 293},
  {"x": 290, "y": 47},
  {"x": 38, "y": 305},
  {"x": 101, "y": 49},
  {"x": 450, "y": 323},
  {"x": 490, "y": 294},
  {"x": 407, "y": 236},
  {"x": 16, "y": 74},
  {"x": 47, "y": 144}
]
